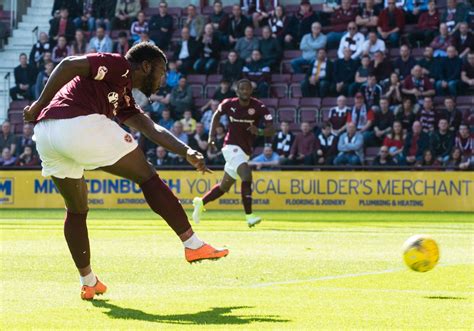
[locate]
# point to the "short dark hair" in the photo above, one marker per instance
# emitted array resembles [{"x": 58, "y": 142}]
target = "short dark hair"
[
  {"x": 145, "y": 52},
  {"x": 243, "y": 81},
  {"x": 326, "y": 125}
]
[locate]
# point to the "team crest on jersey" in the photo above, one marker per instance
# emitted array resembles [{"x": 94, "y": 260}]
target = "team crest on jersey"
[
  {"x": 251, "y": 111},
  {"x": 101, "y": 72},
  {"x": 128, "y": 138}
]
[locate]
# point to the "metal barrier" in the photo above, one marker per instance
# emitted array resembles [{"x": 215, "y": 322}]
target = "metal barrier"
[
  {"x": 6, "y": 88},
  {"x": 35, "y": 34}
]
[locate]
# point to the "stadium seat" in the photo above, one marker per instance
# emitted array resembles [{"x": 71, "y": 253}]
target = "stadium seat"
[
  {"x": 199, "y": 102},
  {"x": 207, "y": 10},
  {"x": 287, "y": 115},
  {"x": 295, "y": 91},
  {"x": 285, "y": 67},
  {"x": 291, "y": 54},
  {"x": 174, "y": 11},
  {"x": 280, "y": 78},
  {"x": 214, "y": 79},
  {"x": 438, "y": 100},
  {"x": 224, "y": 55},
  {"x": 19, "y": 104},
  {"x": 290, "y": 103},
  {"x": 310, "y": 102},
  {"x": 279, "y": 90},
  {"x": 210, "y": 89},
  {"x": 310, "y": 115},
  {"x": 297, "y": 78},
  {"x": 115, "y": 33},
  {"x": 197, "y": 90},
  {"x": 329, "y": 102},
  {"x": 196, "y": 79},
  {"x": 467, "y": 100},
  {"x": 394, "y": 53},
  {"x": 324, "y": 114},
  {"x": 15, "y": 117},
  {"x": 150, "y": 11},
  {"x": 270, "y": 102}
]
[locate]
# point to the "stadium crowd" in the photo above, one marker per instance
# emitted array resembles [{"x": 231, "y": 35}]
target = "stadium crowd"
[{"x": 370, "y": 99}]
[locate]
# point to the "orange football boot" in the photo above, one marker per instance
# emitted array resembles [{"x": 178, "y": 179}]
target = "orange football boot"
[
  {"x": 88, "y": 292},
  {"x": 205, "y": 252}
]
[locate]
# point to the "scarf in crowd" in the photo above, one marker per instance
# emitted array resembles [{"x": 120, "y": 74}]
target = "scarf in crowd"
[{"x": 359, "y": 116}]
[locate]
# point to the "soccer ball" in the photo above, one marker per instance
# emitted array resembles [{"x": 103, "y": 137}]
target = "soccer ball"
[{"x": 421, "y": 253}]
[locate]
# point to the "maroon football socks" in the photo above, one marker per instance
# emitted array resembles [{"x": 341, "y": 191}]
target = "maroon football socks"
[
  {"x": 213, "y": 194},
  {"x": 246, "y": 193},
  {"x": 77, "y": 238}
]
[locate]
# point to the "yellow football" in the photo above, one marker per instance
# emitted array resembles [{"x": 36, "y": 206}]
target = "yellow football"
[{"x": 420, "y": 253}]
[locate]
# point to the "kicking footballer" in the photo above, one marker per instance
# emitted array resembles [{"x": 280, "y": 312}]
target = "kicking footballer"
[
  {"x": 245, "y": 115},
  {"x": 75, "y": 131}
]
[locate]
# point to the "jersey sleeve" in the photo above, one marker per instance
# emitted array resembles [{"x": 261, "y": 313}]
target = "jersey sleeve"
[
  {"x": 127, "y": 108},
  {"x": 265, "y": 115},
  {"x": 223, "y": 107},
  {"x": 112, "y": 68}
]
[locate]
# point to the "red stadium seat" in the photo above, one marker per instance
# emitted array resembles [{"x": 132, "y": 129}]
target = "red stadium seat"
[
  {"x": 467, "y": 100},
  {"x": 15, "y": 117},
  {"x": 197, "y": 90},
  {"x": 310, "y": 102},
  {"x": 281, "y": 78},
  {"x": 331, "y": 102},
  {"x": 279, "y": 90},
  {"x": 214, "y": 79},
  {"x": 115, "y": 33},
  {"x": 297, "y": 78},
  {"x": 199, "y": 102},
  {"x": 324, "y": 114},
  {"x": 151, "y": 11},
  {"x": 308, "y": 115},
  {"x": 174, "y": 11},
  {"x": 270, "y": 102},
  {"x": 207, "y": 10},
  {"x": 287, "y": 115},
  {"x": 285, "y": 67},
  {"x": 438, "y": 100},
  {"x": 290, "y": 103},
  {"x": 210, "y": 90},
  {"x": 295, "y": 91},
  {"x": 196, "y": 79},
  {"x": 19, "y": 104},
  {"x": 291, "y": 54}
]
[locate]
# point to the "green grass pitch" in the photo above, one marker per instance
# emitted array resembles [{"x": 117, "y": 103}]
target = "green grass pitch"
[{"x": 311, "y": 271}]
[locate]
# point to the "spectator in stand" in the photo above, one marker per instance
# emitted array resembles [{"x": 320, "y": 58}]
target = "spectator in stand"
[
  {"x": 25, "y": 79},
  {"x": 361, "y": 76},
  {"x": 26, "y": 139},
  {"x": 383, "y": 123},
  {"x": 7, "y": 159},
  {"x": 101, "y": 43},
  {"x": 194, "y": 22},
  {"x": 372, "y": 45},
  {"x": 417, "y": 85},
  {"x": 231, "y": 69},
  {"x": 283, "y": 140},
  {"x": 207, "y": 116},
  {"x": 144, "y": 38},
  {"x": 350, "y": 147},
  {"x": 278, "y": 23},
  {"x": 28, "y": 158},
  {"x": 450, "y": 73},
  {"x": 181, "y": 98},
  {"x": 61, "y": 51},
  {"x": 122, "y": 45},
  {"x": 177, "y": 131},
  {"x": 85, "y": 19},
  {"x": 454, "y": 15},
  {"x": 344, "y": 72},
  {"x": 427, "y": 27},
  {"x": 318, "y": 78},
  {"x": 393, "y": 92},
  {"x": 352, "y": 40},
  {"x": 371, "y": 91},
  {"x": 166, "y": 121},
  {"x": 368, "y": 17},
  {"x": 7, "y": 138},
  {"x": 267, "y": 160},
  {"x": 139, "y": 26},
  {"x": 467, "y": 73},
  {"x": 442, "y": 141},
  {"x": 259, "y": 10},
  {"x": 310, "y": 44},
  {"x": 198, "y": 139},
  {"x": 416, "y": 143},
  {"x": 214, "y": 152},
  {"x": 381, "y": 67},
  {"x": 383, "y": 159},
  {"x": 79, "y": 45},
  {"x": 404, "y": 63},
  {"x": 406, "y": 115},
  {"x": 161, "y": 27},
  {"x": 413, "y": 10},
  {"x": 246, "y": 45},
  {"x": 62, "y": 26},
  {"x": 300, "y": 24},
  {"x": 326, "y": 146},
  {"x": 463, "y": 39},
  {"x": 394, "y": 141},
  {"x": 391, "y": 23},
  {"x": 455, "y": 160},
  {"x": 304, "y": 145},
  {"x": 429, "y": 64},
  {"x": 189, "y": 123},
  {"x": 258, "y": 72},
  {"x": 270, "y": 48},
  {"x": 42, "y": 79},
  {"x": 451, "y": 114},
  {"x": 236, "y": 26},
  {"x": 47, "y": 58},
  {"x": 361, "y": 116},
  {"x": 428, "y": 160},
  {"x": 160, "y": 157},
  {"x": 103, "y": 11},
  {"x": 38, "y": 49},
  {"x": 209, "y": 51},
  {"x": 160, "y": 100},
  {"x": 124, "y": 12},
  {"x": 465, "y": 143},
  {"x": 187, "y": 52},
  {"x": 442, "y": 41},
  {"x": 172, "y": 75},
  {"x": 427, "y": 116},
  {"x": 337, "y": 116},
  {"x": 219, "y": 19},
  {"x": 71, "y": 6},
  {"x": 340, "y": 19},
  {"x": 224, "y": 91}
]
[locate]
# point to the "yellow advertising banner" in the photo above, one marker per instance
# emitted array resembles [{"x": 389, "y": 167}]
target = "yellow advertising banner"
[{"x": 272, "y": 190}]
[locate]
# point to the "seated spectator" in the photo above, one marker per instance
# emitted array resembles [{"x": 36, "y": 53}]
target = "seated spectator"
[
  {"x": 124, "y": 12},
  {"x": 427, "y": 27},
  {"x": 350, "y": 147},
  {"x": 209, "y": 112},
  {"x": 417, "y": 86},
  {"x": 381, "y": 67},
  {"x": 283, "y": 140},
  {"x": 270, "y": 48},
  {"x": 42, "y": 79},
  {"x": 393, "y": 92},
  {"x": 198, "y": 139},
  {"x": 449, "y": 73},
  {"x": 368, "y": 17},
  {"x": 231, "y": 69},
  {"x": 236, "y": 26},
  {"x": 7, "y": 159},
  {"x": 429, "y": 65},
  {"x": 166, "y": 121},
  {"x": 172, "y": 75},
  {"x": 189, "y": 123},
  {"x": 442, "y": 41},
  {"x": 384, "y": 158},
  {"x": 160, "y": 157},
  {"x": 413, "y": 10},
  {"x": 406, "y": 115},
  {"x": 25, "y": 79},
  {"x": 47, "y": 58},
  {"x": 259, "y": 74},
  {"x": 395, "y": 140},
  {"x": 428, "y": 160},
  {"x": 465, "y": 143},
  {"x": 427, "y": 115},
  {"x": 224, "y": 91},
  {"x": 267, "y": 160},
  {"x": 404, "y": 63},
  {"x": 442, "y": 141},
  {"x": 318, "y": 78},
  {"x": 214, "y": 152},
  {"x": 26, "y": 139},
  {"x": 27, "y": 158},
  {"x": 463, "y": 40},
  {"x": 344, "y": 72},
  {"x": 194, "y": 22},
  {"x": 103, "y": 11},
  {"x": 139, "y": 26},
  {"x": 160, "y": 27},
  {"x": 177, "y": 131},
  {"x": 300, "y": 24},
  {"x": 340, "y": 19},
  {"x": 85, "y": 19},
  {"x": 383, "y": 123},
  {"x": 209, "y": 53},
  {"x": 361, "y": 116},
  {"x": 122, "y": 45},
  {"x": 304, "y": 145},
  {"x": 187, "y": 52},
  {"x": 455, "y": 13},
  {"x": 101, "y": 43},
  {"x": 160, "y": 100},
  {"x": 258, "y": 10},
  {"x": 278, "y": 23},
  {"x": 352, "y": 40},
  {"x": 219, "y": 19},
  {"x": 416, "y": 143},
  {"x": 326, "y": 146},
  {"x": 455, "y": 160},
  {"x": 391, "y": 23},
  {"x": 38, "y": 49},
  {"x": 371, "y": 91},
  {"x": 467, "y": 73},
  {"x": 310, "y": 44},
  {"x": 247, "y": 44},
  {"x": 61, "y": 51},
  {"x": 373, "y": 44},
  {"x": 62, "y": 26},
  {"x": 451, "y": 114},
  {"x": 361, "y": 76},
  {"x": 337, "y": 116},
  {"x": 7, "y": 138},
  {"x": 144, "y": 38},
  {"x": 79, "y": 45},
  {"x": 181, "y": 98}
]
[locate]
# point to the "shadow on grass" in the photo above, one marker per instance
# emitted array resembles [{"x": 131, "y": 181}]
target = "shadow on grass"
[
  {"x": 213, "y": 316},
  {"x": 442, "y": 297}
]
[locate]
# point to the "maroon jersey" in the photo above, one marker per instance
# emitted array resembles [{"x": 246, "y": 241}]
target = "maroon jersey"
[
  {"x": 106, "y": 91},
  {"x": 240, "y": 119}
]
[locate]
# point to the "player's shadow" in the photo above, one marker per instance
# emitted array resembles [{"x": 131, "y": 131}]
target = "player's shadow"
[{"x": 213, "y": 316}]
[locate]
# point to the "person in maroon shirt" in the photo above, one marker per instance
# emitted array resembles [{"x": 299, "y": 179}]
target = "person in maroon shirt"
[
  {"x": 427, "y": 27},
  {"x": 75, "y": 131},
  {"x": 339, "y": 21},
  {"x": 391, "y": 23},
  {"x": 465, "y": 142},
  {"x": 245, "y": 114},
  {"x": 417, "y": 85},
  {"x": 304, "y": 145}
]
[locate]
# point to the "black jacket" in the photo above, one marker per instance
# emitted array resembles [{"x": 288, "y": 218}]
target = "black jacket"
[
  {"x": 25, "y": 75},
  {"x": 194, "y": 49},
  {"x": 155, "y": 25},
  {"x": 70, "y": 29},
  {"x": 237, "y": 29}
]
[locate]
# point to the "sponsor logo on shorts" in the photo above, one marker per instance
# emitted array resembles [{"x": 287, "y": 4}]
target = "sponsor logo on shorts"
[
  {"x": 128, "y": 138},
  {"x": 101, "y": 72},
  {"x": 6, "y": 191},
  {"x": 251, "y": 111}
]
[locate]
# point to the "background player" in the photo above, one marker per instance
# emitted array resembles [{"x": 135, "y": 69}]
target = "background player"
[
  {"x": 245, "y": 115},
  {"x": 75, "y": 132}
]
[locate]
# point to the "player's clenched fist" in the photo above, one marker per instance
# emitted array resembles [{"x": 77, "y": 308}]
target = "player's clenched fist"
[
  {"x": 196, "y": 159},
  {"x": 30, "y": 113}
]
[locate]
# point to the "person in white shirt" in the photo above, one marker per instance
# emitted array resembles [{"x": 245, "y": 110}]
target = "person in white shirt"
[
  {"x": 352, "y": 40},
  {"x": 372, "y": 45},
  {"x": 101, "y": 43}
]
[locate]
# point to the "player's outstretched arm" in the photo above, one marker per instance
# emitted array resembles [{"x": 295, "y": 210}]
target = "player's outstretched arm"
[{"x": 212, "y": 131}]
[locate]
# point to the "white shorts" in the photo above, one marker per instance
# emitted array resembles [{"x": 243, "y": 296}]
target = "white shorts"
[
  {"x": 69, "y": 146},
  {"x": 234, "y": 156}
]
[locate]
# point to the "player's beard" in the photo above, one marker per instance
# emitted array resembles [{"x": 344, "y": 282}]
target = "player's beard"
[{"x": 147, "y": 87}]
